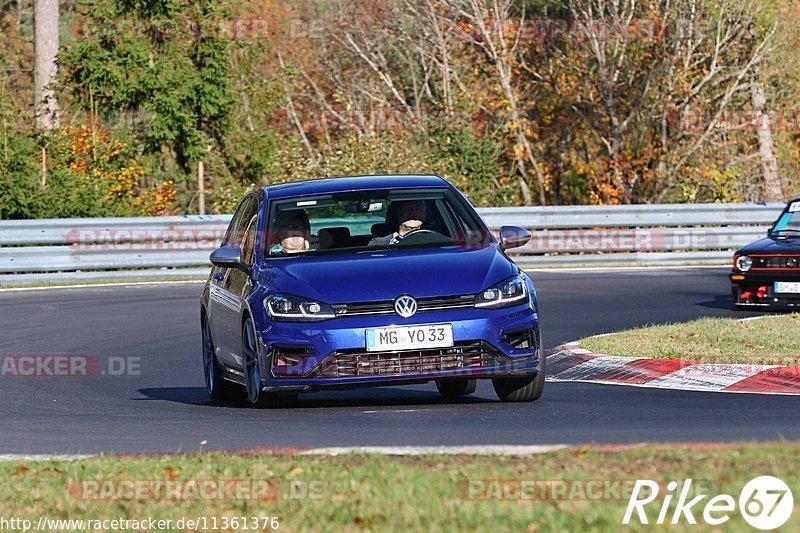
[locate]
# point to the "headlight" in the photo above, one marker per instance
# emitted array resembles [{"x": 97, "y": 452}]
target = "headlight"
[
  {"x": 744, "y": 263},
  {"x": 296, "y": 309},
  {"x": 510, "y": 292}
]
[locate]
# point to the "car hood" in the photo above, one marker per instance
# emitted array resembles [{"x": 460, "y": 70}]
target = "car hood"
[
  {"x": 768, "y": 245},
  {"x": 386, "y": 274}
]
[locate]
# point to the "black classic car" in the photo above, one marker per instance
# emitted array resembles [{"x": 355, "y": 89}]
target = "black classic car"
[{"x": 766, "y": 273}]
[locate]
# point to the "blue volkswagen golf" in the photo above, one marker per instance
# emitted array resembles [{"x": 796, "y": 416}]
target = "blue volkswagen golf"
[{"x": 361, "y": 281}]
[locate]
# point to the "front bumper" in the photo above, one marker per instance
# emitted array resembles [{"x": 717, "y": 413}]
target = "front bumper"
[
  {"x": 332, "y": 354},
  {"x": 757, "y": 289}
]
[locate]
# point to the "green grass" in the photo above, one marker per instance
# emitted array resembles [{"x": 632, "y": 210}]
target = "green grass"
[
  {"x": 379, "y": 493},
  {"x": 771, "y": 340}
]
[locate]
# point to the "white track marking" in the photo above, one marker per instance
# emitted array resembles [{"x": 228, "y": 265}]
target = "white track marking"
[
  {"x": 761, "y": 317},
  {"x": 42, "y": 457},
  {"x": 695, "y": 377},
  {"x": 708, "y": 376},
  {"x": 605, "y": 363},
  {"x": 687, "y": 388},
  {"x": 489, "y": 449},
  {"x": 393, "y": 411},
  {"x": 440, "y": 450}
]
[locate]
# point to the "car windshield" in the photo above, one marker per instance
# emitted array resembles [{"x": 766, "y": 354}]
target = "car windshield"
[
  {"x": 371, "y": 220},
  {"x": 788, "y": 225}
]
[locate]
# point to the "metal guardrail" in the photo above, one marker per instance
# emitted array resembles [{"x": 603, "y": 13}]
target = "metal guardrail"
[
  {"x": 61, "y": 250},
  {"x": 90, "y": 230},
  {"x": 650, "y": 215}
]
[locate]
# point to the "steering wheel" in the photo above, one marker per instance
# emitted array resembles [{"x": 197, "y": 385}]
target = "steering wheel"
[{"x": 424, "y": 236}]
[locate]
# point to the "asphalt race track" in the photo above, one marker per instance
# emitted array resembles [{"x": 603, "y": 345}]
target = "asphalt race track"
[{"x": 163, "y": 406}]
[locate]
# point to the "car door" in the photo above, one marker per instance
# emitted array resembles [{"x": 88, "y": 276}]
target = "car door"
[
  {"x": 236, "y": 285},
  {"x": 221, "y": 304}
]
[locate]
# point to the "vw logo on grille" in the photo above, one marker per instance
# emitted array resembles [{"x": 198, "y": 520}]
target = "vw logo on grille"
[{"x": 405, "y": 306}]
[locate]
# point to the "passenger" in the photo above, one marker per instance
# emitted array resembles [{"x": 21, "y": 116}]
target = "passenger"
[
  {"x": 410, "y": 216},
  {"x": 293, "y": 232}
]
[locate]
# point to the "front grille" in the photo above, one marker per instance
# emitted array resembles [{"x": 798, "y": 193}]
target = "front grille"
[
  {"x": 790, "y": 262},
  {"x": 386, "y": 307},
  {"x": 462, "y": 356}
]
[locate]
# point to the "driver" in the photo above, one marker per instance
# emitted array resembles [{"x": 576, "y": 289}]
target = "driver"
[
  {"x": 411, "y": 216},
  {"x": 293, "y": 231}
]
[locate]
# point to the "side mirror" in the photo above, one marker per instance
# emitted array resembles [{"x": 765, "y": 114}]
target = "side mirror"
[
  {"x": 228, "y": 257},
  {"x": 513, "y": 237}
]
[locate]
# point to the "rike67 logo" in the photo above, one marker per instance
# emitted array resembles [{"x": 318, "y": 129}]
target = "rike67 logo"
[{"x": 766, "y": 503}]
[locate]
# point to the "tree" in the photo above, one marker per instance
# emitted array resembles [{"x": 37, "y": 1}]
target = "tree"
[
  {"x": 169, "y": 77},
  {"x": 45, "y": 66},
  {"x": 498, "y": 28}
]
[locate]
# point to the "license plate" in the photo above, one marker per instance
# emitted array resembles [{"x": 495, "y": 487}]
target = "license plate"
[
  {"x": 409, "y": 337},
  {"x": 791, "y": 287}
]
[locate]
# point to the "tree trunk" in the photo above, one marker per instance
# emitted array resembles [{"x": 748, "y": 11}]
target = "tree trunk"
[
  {"x": 766, "y": 148},
  {"x": 522, "y": 141},
  {"x": 44, "y": 167},
  {"x": 201, "y": 188},
  {"x": 45, "y": 17}
]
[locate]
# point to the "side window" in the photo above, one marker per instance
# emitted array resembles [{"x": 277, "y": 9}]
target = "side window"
[
  {"x": 249, "y": 240},
  {"x": 244, "y": 235},
  {"x": 245, "y": 214},
  {"x": 230, "y": 233}
]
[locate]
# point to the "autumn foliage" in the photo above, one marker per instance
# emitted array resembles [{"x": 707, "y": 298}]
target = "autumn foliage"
[{"x": 516, "y": 101}]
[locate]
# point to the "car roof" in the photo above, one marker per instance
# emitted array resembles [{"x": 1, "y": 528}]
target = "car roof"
[{"x": 353, "y": 183}]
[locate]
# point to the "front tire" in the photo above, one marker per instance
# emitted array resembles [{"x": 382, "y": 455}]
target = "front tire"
[
  {"x": 218, "y": 388},
  {"x": 453, "y": 388},
  {"x": 521, "y": 389},
  {"x": 251, "y": 366},
  {"x": 252, "y": 373}
]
